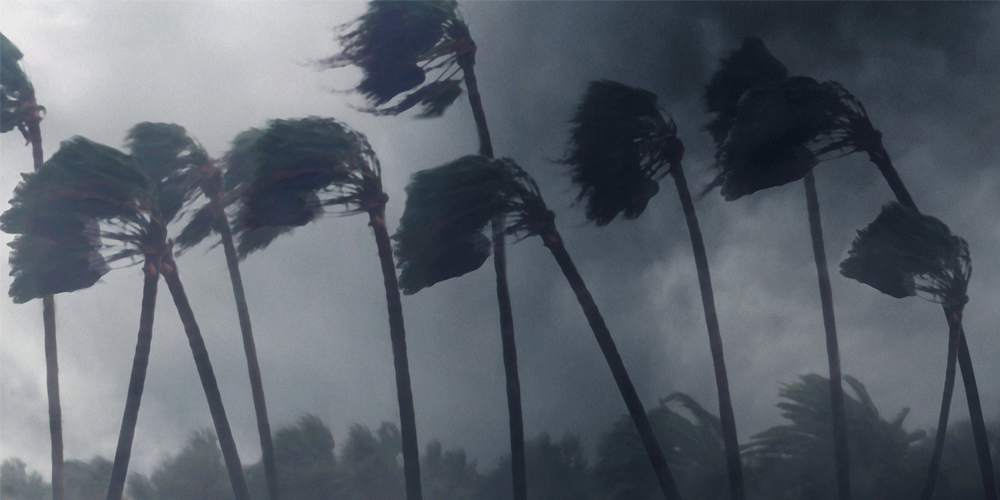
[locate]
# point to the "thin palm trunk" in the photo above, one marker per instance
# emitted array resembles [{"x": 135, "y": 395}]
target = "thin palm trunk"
[
  {"x": 726, "y": 417},
  {"x": 207, "y": 375},
  {"x": 840, "y": 439},
  {"x": 119, "y": 470},
  {"x": 51, "y": 350},
  {"x": 954, "y": 327},
  {"x": 397, "y": 333},
  {"x": 880, "y": 157},
  {"x": 516, "y": 418},
  {"x": 553, "y": 241},
  {"x": 253, "y": 367}
]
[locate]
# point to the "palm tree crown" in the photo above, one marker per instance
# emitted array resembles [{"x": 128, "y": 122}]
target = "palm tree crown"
[{"x": 396, "y": 43}]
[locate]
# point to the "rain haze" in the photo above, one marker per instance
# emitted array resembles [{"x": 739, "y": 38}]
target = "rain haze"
[{"x": 926, "y": 73}]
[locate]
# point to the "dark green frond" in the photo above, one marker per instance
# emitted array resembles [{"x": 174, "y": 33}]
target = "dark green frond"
[
  {"x": 258, "y": 239},
  {"x": 618, "y": 146},
  {"x": 43, "y": 267},
  {"x": 162, "y": 149},
  {"x": 527, "y": 214},
  {"x": 749, "y": 67},
  {"x": 297, "y": 162},
  {"x": 395, "y": 43},
  {"x": 435, "y": 98},
  {"x": 903, "y": 252},
  {"x": 17, "y": 95},
  {"x": 197, "y": 229},
  {"x": 239, "y": 161},
  {"x": 447, "y": 208}
]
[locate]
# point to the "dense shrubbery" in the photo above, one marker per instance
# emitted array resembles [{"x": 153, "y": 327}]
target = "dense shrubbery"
[{"x": 889, "y": 461}]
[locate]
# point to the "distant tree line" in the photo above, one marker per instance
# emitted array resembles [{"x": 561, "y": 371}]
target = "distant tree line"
[{"x": 789, "y": 461}]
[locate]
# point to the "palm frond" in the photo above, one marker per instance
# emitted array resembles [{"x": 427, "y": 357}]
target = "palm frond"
[
  {"x": 239, "y": 161},
  {"x": 17, "y": 94},
  {"x": 749, "y": 67},
  {"x": 299, "y": 160},
  {"x": 903, "y": 252},
  {"x": 197, "y": 229},
  {"x": 619, "y": 148},
  {"x": 447, "y": 208},
  {"x": 175, "y": 161},
  {"x": 251, "y": 240},
  {"x": 41, "y": 266},
  {"x": 396, "y": 43},
  {"x": 527, "y": 214}
]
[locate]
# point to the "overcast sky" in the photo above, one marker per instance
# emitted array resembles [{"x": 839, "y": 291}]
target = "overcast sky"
[{"x": 926, "y": 73}]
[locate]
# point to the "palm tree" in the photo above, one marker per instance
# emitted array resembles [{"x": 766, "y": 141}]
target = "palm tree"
[
  {"x": 771, "y": 130},
  {"x": 294, "y": 162},
  {"x": 456, "y": 200},
  {"x": 397, "y": 44},
  {"x": 117, "y": 202},
  {"x": 18, "y": 108},
  {"x": 902, "y": 253},
  {"x": 620, "y": 147},
  {"x": 223, "y": 189}
]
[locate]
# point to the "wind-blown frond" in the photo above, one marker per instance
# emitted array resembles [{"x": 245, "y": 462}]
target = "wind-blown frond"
[
  {"x": 396, "y": 43},
  {"x": 173, "y": 160},
  {"x": 300, "y": 166},
  {"x": 903, "y": 252},
  {"x": 239, "y": 161},
  {"x": 447, "y": 208},
  {"x": 619, "y": 148},
  {"x": 749, "y": 67},
  {"x": 43, "y": 267},
  {"x": 17, "y": 94}
]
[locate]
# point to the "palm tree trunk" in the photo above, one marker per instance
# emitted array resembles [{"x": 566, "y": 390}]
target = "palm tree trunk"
[
  {"x": 553, "y": 241},
  {"x": 397, "y": 333},
  {"x": 726, "y": 417},
  {"x": 207, "y": 375},
  {"x": 880, "y": 157},
  {"x": 840, "y": 439},
  {"x": 515, "y": 415},
  {"x": 253, "y": 367},
  {"x": 119, "y": 470},
  {"x": 51, "y": 351},
  {"x": 954, "y": 327}
]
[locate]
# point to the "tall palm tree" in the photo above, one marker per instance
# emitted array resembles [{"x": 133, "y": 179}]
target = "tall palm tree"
[
  {"x": 296, "y": 161},
  {"x": 620, "y": 146},
  {"x": 222, "y": 188},
  {"x": 903, "y": 253},
  {"x": 19, "y": 108},
  {"x": 124, "y": 213},
  {"x": 495, "y": 188},
  {"x": 397, "y": 45},
  {"x": 770, "y": 129}
]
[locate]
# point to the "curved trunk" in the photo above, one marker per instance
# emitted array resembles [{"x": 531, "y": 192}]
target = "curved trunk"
[
  {"x": 726, "y": 417},
  {"x": 253, "y": 367},
  {"x": 840, "y": 439},
  {"x": 515, "y": 415},
  {"x": 954, "y": 327},
  {"x": 397, "y": 333},
  {"x": 554, "y": 243},
  {"x": 207, "y": 375},
  {"x": 119, "y": 470},
  {"x": 880, "y": 157},
  {"x": 51, "y": 351}
]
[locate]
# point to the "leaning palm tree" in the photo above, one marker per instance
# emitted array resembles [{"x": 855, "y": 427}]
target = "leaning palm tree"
[
  {"x": 450, "y": 208},
  {"x": 19, "y": 109},
  {"x": 903, "y": 253},
  {"x": 295, "y": 162},
  {"x": 771, "y": 130},
  {"x": 124, "y": 212},
  {"x": 398, "y": 45},
  {"x": 620, "y": 146},
  {"x": 222, "y": 188}
]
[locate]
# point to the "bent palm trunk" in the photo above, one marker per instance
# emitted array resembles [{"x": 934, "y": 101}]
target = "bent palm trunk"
[
  {"x": 515, "y": 415},
  {"x": 553, "y": 241},
  {"x": 119, "y": 470},
  {"x": 880, "y": 157},
  {"x": 397, "y": 333},
  {"x": 253, "y": 367},
  {"x": 954, "y": 327},
  {"x": 840, "y": 440},
  {"x": 207, "y": 375},
  {"x": 726, "y": 417}
]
